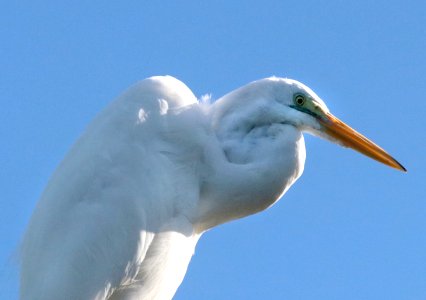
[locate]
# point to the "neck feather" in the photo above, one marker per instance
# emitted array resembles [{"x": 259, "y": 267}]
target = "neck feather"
[{"x": 254, "y": 159}]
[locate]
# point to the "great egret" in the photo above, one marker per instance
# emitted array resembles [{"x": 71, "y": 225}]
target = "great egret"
[{"x": 121, "y": 216}]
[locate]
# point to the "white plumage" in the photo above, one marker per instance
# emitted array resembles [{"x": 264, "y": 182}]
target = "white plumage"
[{"x": 122, "y": 214}]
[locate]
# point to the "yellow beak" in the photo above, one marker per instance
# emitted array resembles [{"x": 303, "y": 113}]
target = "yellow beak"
[{"x": 352, "y": 139}]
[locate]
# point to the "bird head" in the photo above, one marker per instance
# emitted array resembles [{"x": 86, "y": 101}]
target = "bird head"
[
  {"x": 286, "y": 101},
  {"x": 314, "y": 117}
]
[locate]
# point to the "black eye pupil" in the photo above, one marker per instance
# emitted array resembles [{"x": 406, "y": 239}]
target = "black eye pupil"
[{"x": 300, "y": 100}]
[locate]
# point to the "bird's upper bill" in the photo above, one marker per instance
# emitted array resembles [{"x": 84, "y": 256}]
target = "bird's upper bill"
[{"x": 348, "y": 137}]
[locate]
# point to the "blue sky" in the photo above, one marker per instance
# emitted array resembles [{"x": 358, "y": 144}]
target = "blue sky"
[{"x": 350, "y": 228}]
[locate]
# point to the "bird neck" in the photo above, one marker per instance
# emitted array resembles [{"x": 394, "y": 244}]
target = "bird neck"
[{"x": 250, "y": 164}]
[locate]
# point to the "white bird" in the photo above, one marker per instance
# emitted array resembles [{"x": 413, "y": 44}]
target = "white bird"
[{"x": 121, "y": 215}]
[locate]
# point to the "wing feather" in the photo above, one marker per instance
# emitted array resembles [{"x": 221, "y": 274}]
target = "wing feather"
[{"x": 112, "y": 197}]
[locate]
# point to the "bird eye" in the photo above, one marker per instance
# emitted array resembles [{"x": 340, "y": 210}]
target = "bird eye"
[{"x": 299, "y": 99}]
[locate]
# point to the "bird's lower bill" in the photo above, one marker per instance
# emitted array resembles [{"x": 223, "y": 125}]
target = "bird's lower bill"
[{"x": 349, "y": 137}]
